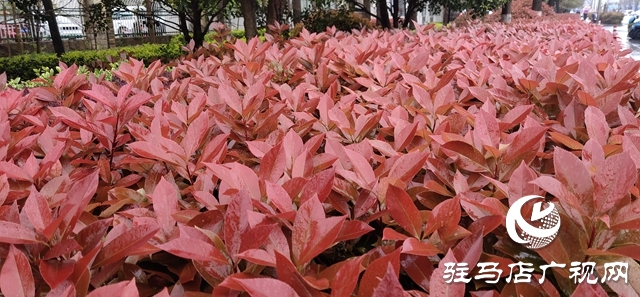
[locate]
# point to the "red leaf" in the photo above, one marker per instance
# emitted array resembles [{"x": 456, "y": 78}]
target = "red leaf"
[
  {"x": 290, "y": 275},
  {"x": 78, "y": 199},
  {"x": 273, "y": 164},
  {"x": 260, "y": 257},
  {"x": 438, "y": 286},
  {"x": 467, "y": 157},
  {"x": 376, "y": 270},
  {"x": 4, "y": 188},
  {"x": 419, "y": 269},
  {"x": 256, "y": 236},
  {"x": 165, "y": 203},
  {"x": 37, "y": 209},
  {"x": 90, "y": 236},
  {"x": 121, "y": 289},
  {"x": 596, "y": 124},
  {"x": 413, "y": 246},
  {"x": 361, "y": 167},
  {"x": 488, "y": 224},
  {"x": 444, "y": 218},
  {"x": 519, "y": 183},
  {"x": 389, "y": 284},
  {"x": 236, "y": 221},
  {"x": 404, "y": 136},
  {"x": 591, "y": 290},
  {"x": 366, "y": 200},
  {"x": 469, "y": 249},
  {"x": 526, "y": 140},
  {"x": 403, "y": 211},
  {"x": 312, "y": 233},
  {"x": 62, "y": 248},
  {"x": 12, "y": 171},
  {"x": 66, "y": 289},
  {"x": 16, "y": 234},
  {"x": 195, "y": 133},
  {"x": 613, "y": 181},
  {"x": 279, "y": 197},
  {"x": 571, "y": 173},
  {"x": 391, "y": 234},
  {"x": 193, "y": 249},
  {"x": 266, "y": 287},
  {"x": 124, "y": 244},
  {"x": 55, "y": 272},
  {"x": 16, "y": 278},
  {"x": 515, "y": 116},
  {"x": 346, "y": 278},
  {"x": 353, "y": 229},
  {"x": 321, "y": 184},
  {"x": 487, "y": 129},
  {"x": 407, "y": 166}
]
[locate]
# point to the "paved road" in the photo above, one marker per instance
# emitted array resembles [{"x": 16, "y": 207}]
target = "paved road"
[{"x": 621, "y": 31}]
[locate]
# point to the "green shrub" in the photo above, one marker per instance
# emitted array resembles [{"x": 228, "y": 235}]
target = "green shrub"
[
  {"x": 239, "y": 34},
  {"x": 611, "y": 18},
  {"x": 342, "y": 18},
  {"x": 25, "y": 67}
]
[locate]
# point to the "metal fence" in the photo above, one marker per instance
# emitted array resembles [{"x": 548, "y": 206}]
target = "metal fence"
[{"x": 128, "y": 22}]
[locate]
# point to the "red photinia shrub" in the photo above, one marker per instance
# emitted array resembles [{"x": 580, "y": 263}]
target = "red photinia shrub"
[{"x": 331, "y": 164}]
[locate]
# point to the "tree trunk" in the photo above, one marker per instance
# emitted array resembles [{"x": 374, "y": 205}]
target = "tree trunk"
[
  {"x": 506, "y": 12},
  {"x": 196, "y": 16},
  {"x": 275, "y": 11},
  {"x": 151, "y": 22},
  {"x": 220, "y": 18},
  {"x": 367, "y": 6},
  {"x": 296, "y": 6},
  {"x": 383, "y": 14},
  {"x": 537, "y": 6},
  {"x": 396, "y": 11},
  {"x": 446, "y": 16},
  {"x": 56, "y": 39},
  {"x": 411, "y": 14},
  {"x": 182, "y": 17},
  {"x": 248, "y": 8}
]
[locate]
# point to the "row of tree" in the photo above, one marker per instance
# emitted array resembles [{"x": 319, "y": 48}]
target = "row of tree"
[{"x": 196, "y": 16}]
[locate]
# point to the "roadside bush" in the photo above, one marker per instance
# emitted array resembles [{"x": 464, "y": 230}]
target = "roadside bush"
[
  {"x": 611, "y": 18},
  {"x": 367, "y": 164},
  {"x": 342, "y": 18},
  {"x": 212, "y": 36},
  {"x": 23, "y": 66},
  {"x": 520, "y": 10}
]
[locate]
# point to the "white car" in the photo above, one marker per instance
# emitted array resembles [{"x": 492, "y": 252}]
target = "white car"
[
  {"x": 133, "y": 20},
  {"x": 68, "y": 28}
]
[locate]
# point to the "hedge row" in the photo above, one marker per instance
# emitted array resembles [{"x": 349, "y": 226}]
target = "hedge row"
[{"x": 24, "y": 66}]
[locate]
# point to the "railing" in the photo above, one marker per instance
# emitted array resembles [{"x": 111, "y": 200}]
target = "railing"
[{"x": 15, "y": 29}]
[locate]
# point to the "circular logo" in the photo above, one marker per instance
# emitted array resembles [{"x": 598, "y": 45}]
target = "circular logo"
[{"x": 542, "y": 228}]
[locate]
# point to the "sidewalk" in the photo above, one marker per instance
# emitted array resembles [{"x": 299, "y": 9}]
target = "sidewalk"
[{"x": 621, "y": 32}]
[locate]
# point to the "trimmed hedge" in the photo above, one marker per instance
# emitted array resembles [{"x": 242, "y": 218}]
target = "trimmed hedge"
[
  {"x": 317, "y": 21},
  {"x": 611, "y": 18},
  {"x": 23, "y": 66}
]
